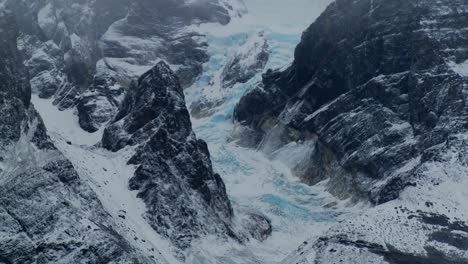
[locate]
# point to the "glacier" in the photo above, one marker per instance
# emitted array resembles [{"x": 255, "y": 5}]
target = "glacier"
[{"x": 256, "y": 182}]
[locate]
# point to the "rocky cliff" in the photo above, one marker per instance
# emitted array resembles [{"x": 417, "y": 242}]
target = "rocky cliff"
[
  {"x": 47, "y": 213},
  {"x": 174, "y": 177},
  {"x": 374, "y": 85},
  {"x": 378, "y": 93}
]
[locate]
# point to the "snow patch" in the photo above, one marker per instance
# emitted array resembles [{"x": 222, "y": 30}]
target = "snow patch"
[
  {"x": 64, "y": 123},
  {"x": 460, "y": 68}
]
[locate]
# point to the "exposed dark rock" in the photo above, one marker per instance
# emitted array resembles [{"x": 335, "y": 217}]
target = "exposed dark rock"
[
  {"x": 45, "y": 208},
  {"x": 100, "y": 103},
  {"x": 258, "y": 226},
  {"x": 204, "y": 108},
  {"x": 371, "y": 80},
  {"x": 174, "y": 177},
  {"x": 459, "y": 241}
]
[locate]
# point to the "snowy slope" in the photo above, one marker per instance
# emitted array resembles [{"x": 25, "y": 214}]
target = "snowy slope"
[
  {"x": 108, "y": 174},
  {"x": 460, "y": 68},
  {"x": 427, "y": 224}
]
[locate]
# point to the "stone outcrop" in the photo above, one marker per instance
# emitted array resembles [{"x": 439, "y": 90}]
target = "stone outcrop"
[
  {"x": 377, "y": 99},
  {"x": 174, "y": 176},
  {"x": 373, "y": 84}
]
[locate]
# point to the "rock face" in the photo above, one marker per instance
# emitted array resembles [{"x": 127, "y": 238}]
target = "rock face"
[
  {"x": 377, "y": 97},
  {"x": 47, "y": 214},
  {"x": 373, "y": 94},
  {"x": 246, "y": 61},
  {"x": 86, "y": 53},
  {"x": 174, "y": 176}
]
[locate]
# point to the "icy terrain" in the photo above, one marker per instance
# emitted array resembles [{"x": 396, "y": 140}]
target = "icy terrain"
[
  {"x": 407, "y": 137},
  {"x": 254, "y": 182}
]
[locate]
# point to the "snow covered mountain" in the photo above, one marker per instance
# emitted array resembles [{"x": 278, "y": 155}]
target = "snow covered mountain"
[
  {"x": 377, "y": 95},
  {"x": 47, "y": 213},
  {"x": 70, "y": 198},
  {"x": 209, "y": 131},
  {"x": 183, "y": 196},
  {"x": 85, "y": 53},
  {"x": 244, "y": 62}
]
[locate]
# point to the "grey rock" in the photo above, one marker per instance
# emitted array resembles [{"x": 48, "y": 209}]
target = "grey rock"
[
  {"x": 204, "y": 108},
  {"x": 376, "y": 93},
  {"x": 47, "y": 213},
  {"x": 174, "y": 177},
  {"x": 359, "y": 90},
  {"x": 100, "y": 103},
  {"x": 258, "y": 226}
]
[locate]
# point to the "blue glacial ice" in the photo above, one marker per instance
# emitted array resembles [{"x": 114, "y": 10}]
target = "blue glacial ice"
[{"x": 254, "y": 182}]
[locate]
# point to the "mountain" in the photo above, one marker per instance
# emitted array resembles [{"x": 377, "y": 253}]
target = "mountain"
[
  {"x": 86, "y": 53},
  {"x": 147, "y": 131},
  {"x": 244, "y": 63},
  {"x": 174, "y": 177},
  {"x": 48, "y": 214},
  {"x": 377, "y": 94},
  {"x": 147, "y": 189}
]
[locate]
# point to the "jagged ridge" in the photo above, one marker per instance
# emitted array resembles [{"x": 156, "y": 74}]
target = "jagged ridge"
[{"x": 174, "y": 177}]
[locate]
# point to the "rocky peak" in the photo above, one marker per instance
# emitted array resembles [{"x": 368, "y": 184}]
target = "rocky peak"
[
  {"x": 174, "y": 176},
  {"x": 371, "y": 80},
  {"x": 155, "y": 100}
]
